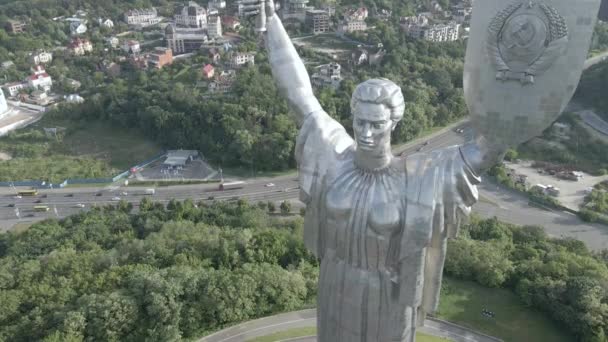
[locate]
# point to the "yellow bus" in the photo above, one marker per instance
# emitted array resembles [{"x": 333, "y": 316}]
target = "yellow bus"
[
  {"x": 41, "y": 208},
  {"x": 32, "y": 192}
]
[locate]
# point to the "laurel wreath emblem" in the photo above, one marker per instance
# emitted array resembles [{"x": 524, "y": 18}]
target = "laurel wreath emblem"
[{"x": 555, "y": 43}]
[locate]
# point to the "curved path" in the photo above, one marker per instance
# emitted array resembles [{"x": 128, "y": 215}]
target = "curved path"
[{"x": 307, "y": 318}]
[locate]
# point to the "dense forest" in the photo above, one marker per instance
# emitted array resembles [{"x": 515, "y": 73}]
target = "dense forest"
[{"x": 177, "y": 272}]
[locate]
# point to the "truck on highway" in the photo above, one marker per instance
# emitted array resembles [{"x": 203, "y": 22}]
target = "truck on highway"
[
  {"x": 41, "y": 208},
  {"x": 231, "y": 185},
  {"x": 150, "y": 191},
  {"x": 30, "y": 192}
]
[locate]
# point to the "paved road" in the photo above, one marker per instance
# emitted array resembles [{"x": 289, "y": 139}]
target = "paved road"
[{"x": 307, "y": 318}]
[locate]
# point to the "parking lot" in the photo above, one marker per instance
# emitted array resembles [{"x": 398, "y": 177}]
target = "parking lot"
[
  {"x": 572, "y": 193},
  {"x": 196, "y": 169}
]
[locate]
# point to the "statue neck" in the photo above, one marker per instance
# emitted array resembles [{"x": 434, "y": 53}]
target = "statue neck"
[{"x": 372, "y": 162}]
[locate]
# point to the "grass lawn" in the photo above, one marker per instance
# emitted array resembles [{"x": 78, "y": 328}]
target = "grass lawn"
[
  {"x": 309, "y": 331},
  {"x": 119, "y": 147},
  {"x": 330, "y": 41},
  {"x": 462, "y": 303}
]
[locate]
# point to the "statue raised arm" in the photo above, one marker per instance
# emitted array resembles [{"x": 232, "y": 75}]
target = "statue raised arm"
[{"x": 287, "y": 67}]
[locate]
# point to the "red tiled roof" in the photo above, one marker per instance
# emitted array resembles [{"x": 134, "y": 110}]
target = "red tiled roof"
[
  {"x": 208, "y": 68},
  {"x": 35, "y": 77}
]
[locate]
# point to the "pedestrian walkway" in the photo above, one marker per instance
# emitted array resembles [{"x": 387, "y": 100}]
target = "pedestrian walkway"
[{"x": 307, "y": 318}]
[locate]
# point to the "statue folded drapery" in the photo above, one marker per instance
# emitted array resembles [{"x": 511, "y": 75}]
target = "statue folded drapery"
[{"x": 381, "y": 234}]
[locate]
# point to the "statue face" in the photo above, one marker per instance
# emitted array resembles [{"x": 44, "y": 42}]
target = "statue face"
[{"x": 372, "y": 125}]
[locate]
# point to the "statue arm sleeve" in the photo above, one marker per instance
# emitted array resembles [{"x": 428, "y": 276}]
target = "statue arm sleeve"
[
  {"x": 481, "y": 154},
  {"x": 289, "y": 72}
]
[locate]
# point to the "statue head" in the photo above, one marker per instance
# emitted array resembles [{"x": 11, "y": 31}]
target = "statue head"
[{"x": 377, "y": 107}]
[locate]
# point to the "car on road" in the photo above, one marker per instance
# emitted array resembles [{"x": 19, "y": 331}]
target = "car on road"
[
  {"x": 18, "y": 196},
  {"x": 419, "y": 149},
  {"x": 211, "y": 198},
  {"x": 460, "y": 130},
  {"x": 11, "y": 205},
  {"x": 30, "y": 215},
  {"x": 425, "y": 143},
  {"x": 124, "y": 193},
  {"x": 79, "y": 205},
  {"x": 69, "y": 195},
  {"x": 43, "y": 196},
  {"x": 269, "y": 185},
  {"x": 38, "y": 201},
  {"x": 98, "y": 194},
  {"x": 116, "y": 198}
]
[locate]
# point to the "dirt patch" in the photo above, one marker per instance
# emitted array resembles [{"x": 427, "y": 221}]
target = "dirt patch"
[{"x": 5, "y": 156}]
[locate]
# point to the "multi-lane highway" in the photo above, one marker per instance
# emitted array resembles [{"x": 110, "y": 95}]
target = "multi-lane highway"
[{"x": 507, "y": 205}]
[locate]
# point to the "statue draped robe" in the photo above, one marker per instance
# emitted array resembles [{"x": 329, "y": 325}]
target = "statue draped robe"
[{"x": 380, "y": 234}]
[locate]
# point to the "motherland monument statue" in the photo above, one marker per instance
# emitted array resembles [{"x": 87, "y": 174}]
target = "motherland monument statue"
[{"x": 380, "y": 223}]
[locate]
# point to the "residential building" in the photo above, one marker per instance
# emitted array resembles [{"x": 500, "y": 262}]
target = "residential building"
[
  {"x": 296, "y": 9},
  {"x": 138, "y": 62},
  {"x": 39, "y": 97},
  {"x": 113, "y": 42},
  {"x": 413, "y": 25},
  {"x": 359, "y": 56},
  {"x": 442, "y": 32},
  {"x": 185, "y": 40},
  {"x": 74, "y": 98},
  {"x": 131, "y": 47},
  {"x": 327, "y": 75},
  {"x": 79, "y": 47},
  {"x": 561, "y": 130},
  {"x": 238, "y": 59},
  {"x": 216, "y": 5},
  {"x": 349, "y": 26},
  {"x": 418, "y": 27},
  {"x": 215, "y": 56},
  {"x": 223, "y": 82},
  {"x": 317, "y": 21},
  {"x": 360, "y": 13},
  {"x": 230, "y": 22},
  {"x": 14, "y": 88},
  {"x": 160, "y": 57},
  {"x": 208, "y": 71},
  {"x": 106, "y": 23},
  {"x": 384, "y": 15},
  {"x": 40, "y": 79},
  {"x": 78, "y": 27},
  {"x": 142, "y": 17},
  {"x": 214, "y": 27},
  {"x": 41, "y": 57},
  {"x": 14, "y": 26},
  {"x": 191, "y": 15}
]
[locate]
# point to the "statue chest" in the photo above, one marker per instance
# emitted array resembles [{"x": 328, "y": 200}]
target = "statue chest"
[{"x": 372, "y": 204}]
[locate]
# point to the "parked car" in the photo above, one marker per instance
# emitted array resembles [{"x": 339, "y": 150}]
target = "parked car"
[
  {"x": 98, "y": 194},
  {"x": 38, "y": 201},
  {"x": 69, "y": 195},
  {"x": 11, "y": 205},
  {"x": 124, "y": 193},
  {"x": 269, "y": 185},
  {"x": 116, "y": 198}
]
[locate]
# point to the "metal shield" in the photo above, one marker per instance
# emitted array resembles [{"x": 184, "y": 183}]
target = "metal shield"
[{"x": 523, "y": 63}]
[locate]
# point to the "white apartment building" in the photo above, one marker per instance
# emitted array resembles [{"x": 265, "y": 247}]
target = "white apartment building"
[
  {"x": 239, "y": 59},
  {"x": 41, "y": 57},
  {"x": 191, "y": 15},
  {"x": 214, "y": 27},
  {"x": 327, "y": 75},
  {"x": 349, "y": 26},
  {"x": 441, "y": 33},
  {"x": 142, "y": 17},
  {"x": 40, "y": 79}
]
